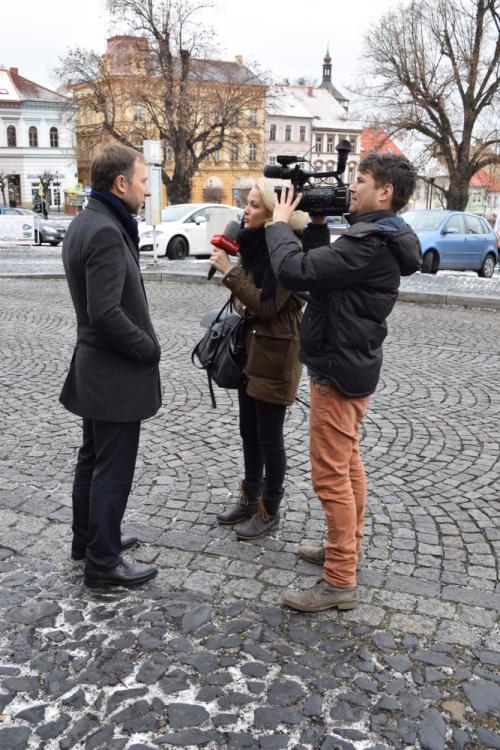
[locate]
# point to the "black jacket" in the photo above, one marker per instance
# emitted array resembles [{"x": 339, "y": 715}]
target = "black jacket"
[
  {"x": 353, "y": 286},
  {"x": 114, "y": 375}
]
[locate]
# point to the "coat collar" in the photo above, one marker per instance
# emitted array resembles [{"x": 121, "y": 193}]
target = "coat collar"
[{"x": 94, "y": 205}]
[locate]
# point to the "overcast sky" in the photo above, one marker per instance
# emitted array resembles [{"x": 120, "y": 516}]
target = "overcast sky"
[{"x": 287, "y": 39}]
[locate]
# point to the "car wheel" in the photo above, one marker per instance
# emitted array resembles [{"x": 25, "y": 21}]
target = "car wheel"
[
  {"x": 487, "y": 267},
  {"x": 177, "y": 248},
  {"x": 54, "y": 244},
  {"x": 430, "y": 263}
]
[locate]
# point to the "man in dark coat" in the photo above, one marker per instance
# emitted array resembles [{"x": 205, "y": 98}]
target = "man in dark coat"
[
  {"x": 353, "y": 287},
  {"x": 113, "y": 380}
]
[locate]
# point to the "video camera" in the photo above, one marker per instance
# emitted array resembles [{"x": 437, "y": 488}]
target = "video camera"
[{"x": 321, "y": 200}]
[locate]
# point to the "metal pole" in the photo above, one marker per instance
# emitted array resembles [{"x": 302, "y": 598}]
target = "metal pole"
[{"x": 155, "y": 247}]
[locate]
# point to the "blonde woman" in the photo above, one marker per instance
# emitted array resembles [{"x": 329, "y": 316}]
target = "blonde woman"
[{"x": 272, "y": 368}]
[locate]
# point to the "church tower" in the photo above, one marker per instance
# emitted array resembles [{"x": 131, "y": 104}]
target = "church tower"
[{"x": 326, "y": 82}]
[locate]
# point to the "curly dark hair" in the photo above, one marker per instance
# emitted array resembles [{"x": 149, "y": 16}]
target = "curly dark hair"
[{"x": 393, "y": 169}]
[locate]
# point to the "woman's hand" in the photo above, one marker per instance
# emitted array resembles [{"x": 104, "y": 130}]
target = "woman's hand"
[
  {"x": 285, "y": 205},
  {"x": 220, "y": 261}
]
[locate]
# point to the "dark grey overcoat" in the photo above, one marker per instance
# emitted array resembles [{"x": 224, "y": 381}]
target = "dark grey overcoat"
[{"x": 114, "y": 374}]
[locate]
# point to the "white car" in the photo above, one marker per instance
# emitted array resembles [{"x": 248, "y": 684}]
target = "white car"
[{"x": 183, "y": 230}]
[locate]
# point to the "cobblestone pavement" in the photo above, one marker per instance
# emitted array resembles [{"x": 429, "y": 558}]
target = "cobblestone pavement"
[
  {"x": 204, "y": 656},
  {"x": 45, "y": 259}
]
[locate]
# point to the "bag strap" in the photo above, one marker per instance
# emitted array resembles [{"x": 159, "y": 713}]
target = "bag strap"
[{"x": 212, "y": 394}]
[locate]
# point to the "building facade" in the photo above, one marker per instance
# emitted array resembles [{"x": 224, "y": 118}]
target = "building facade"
[
  {"x": 36, "y": 137},
  {"x": 310, "y": 122},
  {"x": 226, "y": 175}
]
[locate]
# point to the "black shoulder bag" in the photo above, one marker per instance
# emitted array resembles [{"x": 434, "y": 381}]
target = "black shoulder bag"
[{"x": 221, "y": 351}]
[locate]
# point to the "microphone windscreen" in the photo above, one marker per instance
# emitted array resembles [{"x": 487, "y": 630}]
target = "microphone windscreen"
[{"x": 231, "y": 230}]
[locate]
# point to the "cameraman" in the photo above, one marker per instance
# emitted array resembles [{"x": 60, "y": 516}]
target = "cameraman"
[{"x": 353, "y": 287}]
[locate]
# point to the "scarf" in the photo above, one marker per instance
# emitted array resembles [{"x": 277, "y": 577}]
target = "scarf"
[
  {"x": 122, "y": 212},
  {"x": 255, "y": 260}
]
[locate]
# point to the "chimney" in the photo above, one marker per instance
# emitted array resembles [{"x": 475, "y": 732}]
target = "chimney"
[
  {"x": 309, "y": 91},
  {"x": 239, "y": 59},
  {"x": 14, "y": 71}
]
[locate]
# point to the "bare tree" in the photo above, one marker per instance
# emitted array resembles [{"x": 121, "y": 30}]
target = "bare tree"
[
  {"x": 437, "y": 66},
  {"x": 46, "y": 179},
  {"x": 171, "y": 91},
  {"x": 3, "y": 186}
]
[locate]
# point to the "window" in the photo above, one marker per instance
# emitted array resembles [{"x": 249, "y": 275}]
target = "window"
[
  {"x": 11, "y": 136},
  {"x": 54, "y": 138},
  {"x": 252, "y": 152},
  {"x": 288, "y": 132},
  {"x": 194, "y": 218},
  {"x": 319, "y": 144},
  {"x": 350, "y": 173},
  {"x": 138, "y": 113},
  {"x": 234, "y": 156},
  {"x": 474, "y": 225},
  {"x": 33, "y": 136},
  {"x": 253, "y": 116},
  {"x": 354, "y": 143},
  {"x": 272, "y": 160},
  {"x": 272, "y": 132},
  {"x": 329, "y": 144},
  {"x": 456, "y": 222},
  {"x": 233, "y": 120},
  {"x": 217, "y": 155},
  {"x": 302, "y": 135},
  {"x": 169, "y": 154}
]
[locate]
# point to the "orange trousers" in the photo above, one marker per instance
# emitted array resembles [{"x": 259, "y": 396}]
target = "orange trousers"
[{"x": 338, "y": 477}]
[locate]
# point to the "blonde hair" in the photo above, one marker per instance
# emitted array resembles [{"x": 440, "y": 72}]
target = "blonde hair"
[{"x": 298, "y": 219}]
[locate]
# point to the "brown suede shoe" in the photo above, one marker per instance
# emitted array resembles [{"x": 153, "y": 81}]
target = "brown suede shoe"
[
  {"x": 316, "y": 555},
  {"x": 321, "y": 596}
]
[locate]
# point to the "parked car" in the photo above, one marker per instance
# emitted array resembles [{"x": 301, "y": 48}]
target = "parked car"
[
  {"x": 47, "y": 230},
  {"x": 182, "y": 230},
  {"x": 454, "y": 241}
]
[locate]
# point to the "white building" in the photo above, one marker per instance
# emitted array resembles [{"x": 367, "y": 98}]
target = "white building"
[
  {"x": 288, "y": 125},
  {"x": 36, "y": 136},
  {"x": 311, "y": 121}
]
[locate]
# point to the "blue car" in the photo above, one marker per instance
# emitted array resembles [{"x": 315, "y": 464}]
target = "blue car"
[{"x": 454, "y": 241}]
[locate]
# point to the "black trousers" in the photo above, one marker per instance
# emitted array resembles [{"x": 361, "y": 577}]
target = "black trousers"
[
  {"x": 103, "y": 478},
  {"x": 261, "y": 430}
]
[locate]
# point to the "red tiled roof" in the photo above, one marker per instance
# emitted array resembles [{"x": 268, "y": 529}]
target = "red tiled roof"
[
  {"x": 377, "y": 140},
  {"x": 31, "y": 91},
  {"x": 484, "y": 179}
]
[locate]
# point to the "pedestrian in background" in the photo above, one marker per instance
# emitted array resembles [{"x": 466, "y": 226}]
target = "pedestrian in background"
[
  {"x": 113, "y": 381},
  {"x": 353, "y": 286},
  {"x": 272, "y": 369}
]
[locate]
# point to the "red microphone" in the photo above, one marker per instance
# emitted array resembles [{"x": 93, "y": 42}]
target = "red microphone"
[{"x": 226, "y": 241}]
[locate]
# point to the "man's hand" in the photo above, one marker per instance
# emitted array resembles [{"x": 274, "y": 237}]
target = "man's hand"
[
  {"x": 220, "y": 260},
  {"x": 285, "y": 205}
]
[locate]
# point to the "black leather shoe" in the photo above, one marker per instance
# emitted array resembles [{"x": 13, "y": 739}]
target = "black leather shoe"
[
  {"x": 125, "y": 574},
  {"x": 128, "y": 541}
]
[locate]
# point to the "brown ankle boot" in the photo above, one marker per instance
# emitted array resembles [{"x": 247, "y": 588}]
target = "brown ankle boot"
[
  {"x": 260, "y": 524},
  {"x": 245, "y": 508}
]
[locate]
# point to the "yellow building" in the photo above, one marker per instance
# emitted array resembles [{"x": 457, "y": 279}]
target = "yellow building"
[{"x": 127, "y": 101}]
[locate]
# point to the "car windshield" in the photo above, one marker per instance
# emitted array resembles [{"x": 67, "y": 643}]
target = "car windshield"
[
  {"x": 175, "y": 213},
  {"x": 423, "y": 222}
]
